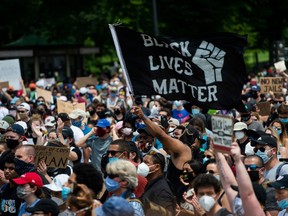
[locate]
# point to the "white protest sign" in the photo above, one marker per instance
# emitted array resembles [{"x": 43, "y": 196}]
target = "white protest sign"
[
  {"x": 46, "y": 82},
  {"x": 10, "y": 71},
  {"x": 222, "y": 127},
  {"x": 280, "y": 66}
]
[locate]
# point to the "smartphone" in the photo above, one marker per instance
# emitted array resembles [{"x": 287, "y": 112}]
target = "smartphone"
[{"x": 190, "y": 193}]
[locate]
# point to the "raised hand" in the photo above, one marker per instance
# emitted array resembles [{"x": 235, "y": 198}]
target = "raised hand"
[{"x": 210, "y": 59}]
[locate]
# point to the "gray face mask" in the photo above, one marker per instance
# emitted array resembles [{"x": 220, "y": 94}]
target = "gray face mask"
[{"x": 21, "y": 192}]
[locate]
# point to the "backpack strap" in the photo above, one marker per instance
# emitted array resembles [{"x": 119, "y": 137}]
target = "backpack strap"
[{"x": 279, "y": 169}]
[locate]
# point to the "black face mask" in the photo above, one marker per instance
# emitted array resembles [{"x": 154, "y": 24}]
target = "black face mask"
[
  {"x": 245, "y": 118},
  {"x": 117, "y": 112},
  {"x": 22, "y": 167},
  {"x": 11, "y": 144},
  {"x": 101, "y": 114},
  {"x": 41, "y": 112},
  {"x": 187, "y": 176},
  {"x": 254, "y": 94},
  {"x": 254, "y": 175},
  {"x": 92, "y": 112}
]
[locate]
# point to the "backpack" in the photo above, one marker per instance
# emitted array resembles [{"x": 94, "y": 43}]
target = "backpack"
[
  {"x": 279, "y": 169},
  {"x": 150, "y": 208}
]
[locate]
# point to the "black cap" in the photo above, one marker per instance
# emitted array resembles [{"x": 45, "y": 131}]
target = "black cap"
[
  {"x": 144, "y": 130},
  {"x": 64, "y": 117},
  {"x": 265, "y": 139},
  {"x": 45, "y": 205},
  {"x": 280, "y": 183},
  {"x": 17, "y": 129},
  {"x": 67, "y": 132}
]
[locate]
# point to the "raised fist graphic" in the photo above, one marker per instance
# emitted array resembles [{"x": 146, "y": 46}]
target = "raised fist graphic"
[{"x": 210, "y": 59}]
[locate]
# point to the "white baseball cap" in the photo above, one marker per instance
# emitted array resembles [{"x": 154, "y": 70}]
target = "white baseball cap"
[
  {"x": 57, "y": 183},
  {"x": 24, "y": 105},
  {"x": 76, "y": 113},
  {"x": 240, "y": 126}
]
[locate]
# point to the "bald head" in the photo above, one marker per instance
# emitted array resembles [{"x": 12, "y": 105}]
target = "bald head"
[{"x": 26, "y": 153}]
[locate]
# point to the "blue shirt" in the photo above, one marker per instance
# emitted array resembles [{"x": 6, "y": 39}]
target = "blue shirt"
[{"x": 22, "y": 209}]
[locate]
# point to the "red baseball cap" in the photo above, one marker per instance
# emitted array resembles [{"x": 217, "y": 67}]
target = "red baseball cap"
[{"x": 29, "y": 177}]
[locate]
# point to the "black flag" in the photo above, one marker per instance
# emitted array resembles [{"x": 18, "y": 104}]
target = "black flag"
[{"x": 207, "y": 71}]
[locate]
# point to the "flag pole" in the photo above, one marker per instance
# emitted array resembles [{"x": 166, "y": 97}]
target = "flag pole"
[{"x": 121, "y": 59}]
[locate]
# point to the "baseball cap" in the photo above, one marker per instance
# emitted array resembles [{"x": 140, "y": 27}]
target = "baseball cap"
[
  {"x": 192, "y": 131},
  {"x": 64, "y": 116},
  {"x": 29, "y": 177},
  {"x": 67, "y": 132},
  {"x": 76, "y": 113},
  {"x": 50, "y": 121},
  {"x": 23, "y": 124},
  {"x": 83, "y": 90},
  {"x": 45, "y": 205},
  {"x": 239, "y": 126},
  {"x": 116, "y": 206},
  {"x": 255, "y": 88},
  {"x": 57, "y": 183},
  {"x": 17, "y": 129},
  {"x": 24, "y": 105},
  {"x": 265, "y": 139},
  {"x": 280, "y": 183},
  {"x": 3, "y": 124},
  {"x": 103, "y": 123},
  {"x": 173, "y": 121},
  {"x": 9, "y": 119}
]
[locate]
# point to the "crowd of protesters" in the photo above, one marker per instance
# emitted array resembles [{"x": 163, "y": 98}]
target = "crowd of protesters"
[{"x": 124, "y": 150}]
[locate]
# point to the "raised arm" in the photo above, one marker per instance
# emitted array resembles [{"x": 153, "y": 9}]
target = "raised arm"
[
  {"x": 169, "y": 143},
  {"x": 227, "y": 178},
  {"x": 250, "y": 203},
  {"x": 82, "y": 141}
]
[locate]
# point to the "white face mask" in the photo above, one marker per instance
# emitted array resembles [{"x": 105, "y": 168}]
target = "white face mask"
[
  {"x": 127, "y": 131},
  {"x": 239, "y": 135},
  {"x": 170, "y": 131},
  {"x": 143, "y": 169},
  {"x": 207, "y": 202}
]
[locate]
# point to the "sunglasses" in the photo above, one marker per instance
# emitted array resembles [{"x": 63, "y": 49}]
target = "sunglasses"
[
  {"x": 21, "y": 111},
  {"x": 208, "y": 156},
  {"x": 112, "y": 176},
  {"x": 210, "y": 172},
  {"x": 113, "y": 153},
  {"x": 262, "y": 149},
  {"x": 252, "y": 167}
]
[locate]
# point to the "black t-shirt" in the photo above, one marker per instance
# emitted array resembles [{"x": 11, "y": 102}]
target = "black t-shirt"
[
  {"x": 10, "y": 203},
  {"x": 3, "y": 158}
]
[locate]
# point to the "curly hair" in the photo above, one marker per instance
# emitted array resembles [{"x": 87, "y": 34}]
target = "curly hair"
[{"x": 125, "y": 170}]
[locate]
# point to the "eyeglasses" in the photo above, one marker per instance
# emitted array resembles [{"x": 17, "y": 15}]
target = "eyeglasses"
[
  {"x": 21, "y": 111},
  {"x": 112, "y": 176},
  {"x": 262, "y": 149},
  {"x": 252, "y": 167},
  {"x": 113, "y": 153},
  {"x": 210, "y": 172}
]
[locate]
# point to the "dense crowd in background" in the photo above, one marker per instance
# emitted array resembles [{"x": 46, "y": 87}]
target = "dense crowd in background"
[{"x": 141, "y": 155}]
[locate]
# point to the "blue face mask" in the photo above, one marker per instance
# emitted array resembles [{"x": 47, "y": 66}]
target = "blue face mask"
[
  {"x": 284, "y": 120},
  {"x": 113, "y": 95},
  {"x": 177, "y": 103},
  {"x": 77, "y": 123},
  {"x": 113, "y": 159},
  {"x": 205, "y": 159},
  {"x": 65, "y": 192},
  {"x": 195, "y": 111},
  {"x": 283, "y": 203},
  {"x": 111, "y": 185},
  {"x": 264, "y": 155}
]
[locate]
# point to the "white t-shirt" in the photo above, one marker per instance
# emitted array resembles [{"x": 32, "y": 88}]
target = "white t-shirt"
[
  {"x": 283, "y": 213},
  {"x": 78, "y": 134}
]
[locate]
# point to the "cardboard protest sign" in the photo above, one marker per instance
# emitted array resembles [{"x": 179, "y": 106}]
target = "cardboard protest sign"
[
  {"x": 274, "y": 84},
  {"x": 280, "y": 66},
  {"x": 84, "y": 81},
  {"x": 53, "y": 156},
  {"x": 68, "y": 107},
  {"x": 47, "y": 95},
  {"x": 222, "y": 127},
  {"x": 10, "y": 71},
  {"x": 64, "y": 107},
  {"x": 264, "y": 108},
  {"x": 4, "y": 84}
]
